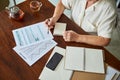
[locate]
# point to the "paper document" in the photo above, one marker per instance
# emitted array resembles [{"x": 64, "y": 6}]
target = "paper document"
[
  {"x": 31, "y": 34},
  {"x": 33, "y": 42},
  {"x": 84, "y": 59},
  {"x": 32, "y": 53},
  {"x": 59, "y": 29}
]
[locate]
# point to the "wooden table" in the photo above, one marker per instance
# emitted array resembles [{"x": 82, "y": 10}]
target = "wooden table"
[{"x": 12, "y": 67}]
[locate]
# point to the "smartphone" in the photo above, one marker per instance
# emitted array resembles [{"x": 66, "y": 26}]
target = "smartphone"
[{"x": 54, "y": 61}]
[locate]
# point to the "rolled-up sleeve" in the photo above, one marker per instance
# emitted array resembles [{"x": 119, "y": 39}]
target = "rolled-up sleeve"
[
  {"x": 67, "y": 3},
  {"x": 107, "y": 23}
]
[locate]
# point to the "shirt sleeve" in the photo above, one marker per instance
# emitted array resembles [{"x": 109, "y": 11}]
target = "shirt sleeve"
[
  {"x": 107, "y": 23},
  {"x": 67, "y": 3}
]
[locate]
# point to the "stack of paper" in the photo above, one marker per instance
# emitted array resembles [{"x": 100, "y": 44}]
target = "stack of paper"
[
  {"x": 33, "y": 41},
  {"x": 59, "y": 73},
  {"x": 112, "y": 74},
  {"x": 84, "y": 59}
]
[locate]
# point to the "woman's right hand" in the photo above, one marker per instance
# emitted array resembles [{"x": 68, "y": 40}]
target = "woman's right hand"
[{"x": 51, "y": 22}]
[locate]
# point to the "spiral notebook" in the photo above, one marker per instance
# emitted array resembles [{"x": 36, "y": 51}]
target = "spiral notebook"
[{"x": 84, "y": 59}]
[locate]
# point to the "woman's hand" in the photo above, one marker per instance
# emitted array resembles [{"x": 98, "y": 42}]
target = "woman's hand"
[
  {"x": 59, "y": 9},
  {"x": 51, "y": 22},
  {"x": 88, "y": 39},
  {"x": 71, "y": 36}
]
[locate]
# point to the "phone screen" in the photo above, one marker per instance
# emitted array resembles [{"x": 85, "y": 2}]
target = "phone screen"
[{"x": 54, "y": 61}]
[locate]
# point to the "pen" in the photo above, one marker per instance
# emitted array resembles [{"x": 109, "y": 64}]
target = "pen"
[
  {"x": 48, "y": 31},
  {"x": 48, "y": 26}
]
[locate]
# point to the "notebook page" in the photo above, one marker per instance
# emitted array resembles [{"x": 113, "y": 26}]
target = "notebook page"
[
  {"x": 74, "y": 58},
  {"x": 94, "y": 60}
]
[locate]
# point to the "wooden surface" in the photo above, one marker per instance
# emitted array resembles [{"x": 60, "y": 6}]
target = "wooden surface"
[
  {"x": 3, "y": 4},
  {"x": 12, "y": 67}
]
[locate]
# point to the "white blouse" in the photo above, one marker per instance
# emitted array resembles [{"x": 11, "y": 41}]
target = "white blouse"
[{"x": 99, "y": 18}]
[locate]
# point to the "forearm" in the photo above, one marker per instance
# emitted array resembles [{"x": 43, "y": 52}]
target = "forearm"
[
  {"x": 93, "y": 40},
  {"x": 58, "y": 10}
]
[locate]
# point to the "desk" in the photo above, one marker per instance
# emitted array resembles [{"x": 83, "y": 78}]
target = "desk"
[{"x": 12, "y": 67}]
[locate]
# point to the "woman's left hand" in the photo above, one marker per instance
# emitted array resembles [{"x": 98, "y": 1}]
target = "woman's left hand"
[{"x": 71, "y": 36}]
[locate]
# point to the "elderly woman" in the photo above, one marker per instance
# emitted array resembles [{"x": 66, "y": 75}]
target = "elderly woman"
[{"x": 93, "y": 16}]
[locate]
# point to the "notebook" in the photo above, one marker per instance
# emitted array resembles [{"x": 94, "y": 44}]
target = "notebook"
[
  {"x": 84, "y": 59},
  {"x": 59, "y": 73}
]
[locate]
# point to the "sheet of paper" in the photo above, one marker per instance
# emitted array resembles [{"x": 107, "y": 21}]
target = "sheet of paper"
[
  {"x": 111, "y": 72},
  {"x": 59, "y": 73},
  {"x": 32, "y": 53},
  {"x": 74, "y": 59},
  {"x": 31, "y": 34},
  {"x": 59, "y": 29},
  {"x": 94, "y": 60}
]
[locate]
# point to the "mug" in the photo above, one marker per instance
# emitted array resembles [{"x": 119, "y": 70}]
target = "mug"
[{"x": 35, "y": 5}]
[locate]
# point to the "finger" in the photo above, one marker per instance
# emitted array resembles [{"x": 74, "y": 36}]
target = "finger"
[
  {"x": 50, "y": 27},
  {"x": 46, "y": 21},
  {"x": 65, "y": 33},
  {"x": 49, "y": 22},
  {"x": 65, "y": 36},
  {"x": 68, "y": 36}
]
